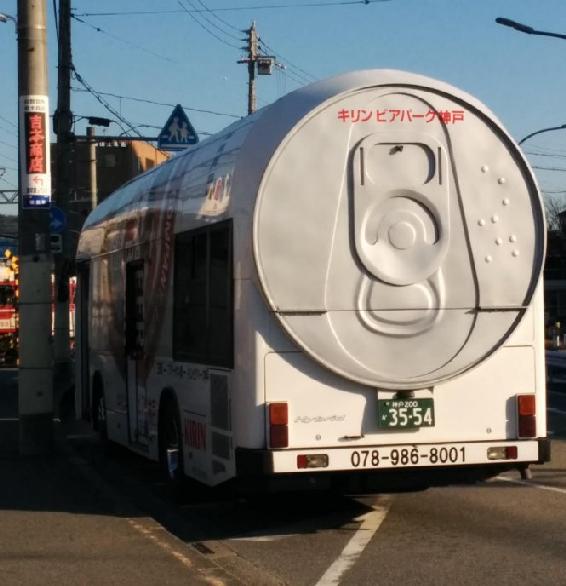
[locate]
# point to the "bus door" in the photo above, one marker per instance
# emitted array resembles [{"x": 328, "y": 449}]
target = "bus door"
[{"x": 136, "y": 390}]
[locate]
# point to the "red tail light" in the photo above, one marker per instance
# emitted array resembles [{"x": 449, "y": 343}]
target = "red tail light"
[
  {"x": 526, "y": 416},
  {"x": 278, "y": 425}
]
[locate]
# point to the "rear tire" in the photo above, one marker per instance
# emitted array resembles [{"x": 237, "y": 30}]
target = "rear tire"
[{"x": 171, "y": 443}]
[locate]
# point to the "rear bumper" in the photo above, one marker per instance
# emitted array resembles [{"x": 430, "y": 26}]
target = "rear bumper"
[{"x": 362, "y": 459}]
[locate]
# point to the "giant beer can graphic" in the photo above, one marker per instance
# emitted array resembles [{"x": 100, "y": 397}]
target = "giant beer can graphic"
[{"x": 398, "y": 231}]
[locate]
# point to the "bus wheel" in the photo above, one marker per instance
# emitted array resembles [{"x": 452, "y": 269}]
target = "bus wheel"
[{"x": 170, "y": 442}]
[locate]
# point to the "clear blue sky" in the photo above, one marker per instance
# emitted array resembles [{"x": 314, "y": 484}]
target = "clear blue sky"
[{"x": 172, "y": 59}]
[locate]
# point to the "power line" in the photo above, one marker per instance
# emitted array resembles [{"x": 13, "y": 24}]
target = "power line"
[
  {"x": 8, "y": 121},
  {"x": 8, "y": 131},
  {"x": 309, "y": 77},
  {"x": 545, "y": 155},
  {"x": 12, "y": 146},
  {"x": 549, "y": 168},
  {"x": 212, "y": 33},
  {"x": 213, "y": 13},
  {"x": 222, "y": 30},
  {"x": 237, "y": 8},
  {"x": 106, "y": 105},
  {"x": 153, "y": 102},
  {"x": 124, "y": 41},
  {"x": 3, "y": 156},
  {"x": 8, "y": 182}
]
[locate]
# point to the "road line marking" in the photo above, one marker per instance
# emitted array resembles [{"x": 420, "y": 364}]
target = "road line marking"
[
  {"x": 262, "y": 538},
  {"x": 371, "y": 521},
  {"x": 532, "y": 484}
]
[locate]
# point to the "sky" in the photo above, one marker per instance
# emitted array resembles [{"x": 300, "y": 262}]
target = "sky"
[{"x": 175, "y": 55}]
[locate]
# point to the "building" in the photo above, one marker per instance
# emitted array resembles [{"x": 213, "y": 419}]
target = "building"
[{"x": 117, "y": 162}]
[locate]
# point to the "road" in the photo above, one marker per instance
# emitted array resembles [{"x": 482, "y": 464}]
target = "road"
[{"x": 499, "y": 532}]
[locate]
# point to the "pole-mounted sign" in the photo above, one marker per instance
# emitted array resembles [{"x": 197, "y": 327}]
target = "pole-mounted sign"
[
  {"x": 34, "y": 152},
  {"x": 178, "y": 132}
]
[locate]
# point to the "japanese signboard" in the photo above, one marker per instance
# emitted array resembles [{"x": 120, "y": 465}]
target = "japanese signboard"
[{"x": 34, "y": 152}]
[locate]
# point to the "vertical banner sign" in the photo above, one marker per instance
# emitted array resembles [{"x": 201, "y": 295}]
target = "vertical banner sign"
[{"x": 35, "y": 166}]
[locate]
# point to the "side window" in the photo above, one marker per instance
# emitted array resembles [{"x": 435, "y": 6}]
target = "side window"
[{"x": 203, "y": 307}]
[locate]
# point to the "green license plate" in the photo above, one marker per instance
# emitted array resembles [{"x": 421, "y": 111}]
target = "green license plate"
[{"x": 405, "y": 413}]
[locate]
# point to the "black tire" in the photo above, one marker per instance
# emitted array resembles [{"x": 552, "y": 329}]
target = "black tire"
[{"x": 171, "y": 442}]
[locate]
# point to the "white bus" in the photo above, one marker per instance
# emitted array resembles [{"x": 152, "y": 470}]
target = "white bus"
[{"x": 343, "y": 285}]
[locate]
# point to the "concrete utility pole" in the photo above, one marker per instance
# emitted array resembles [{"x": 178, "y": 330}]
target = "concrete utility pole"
[
  {"x": 252, "y": 56},
  {"x": 63, "y": 261},
  {"x": 92, "y": 179},
  {"x": 264, "y": 64},
  {"x": 35, "y": 393}
]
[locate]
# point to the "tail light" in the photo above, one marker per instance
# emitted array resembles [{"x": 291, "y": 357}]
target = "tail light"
[
  {"x": 278, "y": 425},
  {"x": 526, "y": 416}
]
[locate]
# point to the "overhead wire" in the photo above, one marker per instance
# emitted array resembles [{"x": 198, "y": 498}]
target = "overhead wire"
[
  {"x": 212, "y": 33},
  {"x": 8, "y": 121},
  {"x": 153, "y": 102},
  {"x": 239, "y": 8},
  {"x": 204, "y": 16},
  {"x": 105, "y": 104},
  {"x": 557, "y": 156},
  {"x": 549, "y": 168},
  {"x": 308, "y": 76},
  {"x": 123, "y": 41},
  {"x": 9, "y": 131},
  {"x": 12, "y": 146},
  {"x": 3, "y": 156},
  {"x": 8, "y": 182},
  {"x": 213, "y": 13}
]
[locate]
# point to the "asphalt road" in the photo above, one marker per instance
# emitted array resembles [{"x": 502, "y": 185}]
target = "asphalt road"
[{"x": 503, "y": 531}]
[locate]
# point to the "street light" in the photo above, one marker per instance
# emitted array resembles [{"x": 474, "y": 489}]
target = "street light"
[
  {"x": 524, "y": 28},
  {"x": 529, "y": 30},
  {"x": 6, "y": 17}
]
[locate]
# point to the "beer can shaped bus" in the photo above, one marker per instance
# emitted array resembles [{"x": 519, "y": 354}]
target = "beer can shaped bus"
[{"x": 344, "y": 285}]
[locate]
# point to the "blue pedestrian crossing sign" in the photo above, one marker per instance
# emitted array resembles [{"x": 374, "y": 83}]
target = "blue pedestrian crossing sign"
[{"x": 178, "y": 133}]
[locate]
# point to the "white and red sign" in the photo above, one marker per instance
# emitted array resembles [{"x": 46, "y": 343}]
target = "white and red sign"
[{"x": 34, "y": 152}]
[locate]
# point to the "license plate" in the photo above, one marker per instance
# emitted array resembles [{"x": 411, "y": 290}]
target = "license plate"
[{"x": 405, "y": 413}]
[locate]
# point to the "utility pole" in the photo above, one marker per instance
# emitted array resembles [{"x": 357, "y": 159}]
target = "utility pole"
[
  {"x": 264, "y": 65},
  {"x": 92, "y": 178},
  {"x": 35, "y": 384},
  {"x": 63, "y": 261}
]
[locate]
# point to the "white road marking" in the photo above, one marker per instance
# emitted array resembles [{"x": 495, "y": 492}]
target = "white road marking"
[
  {"x": 263, "y": 538},
  {"x": 371, "y": 522},
  {"x": 532, "y": 484}
]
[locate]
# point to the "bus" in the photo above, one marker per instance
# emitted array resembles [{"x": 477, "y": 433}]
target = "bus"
[{"x": 342, "y": 287}]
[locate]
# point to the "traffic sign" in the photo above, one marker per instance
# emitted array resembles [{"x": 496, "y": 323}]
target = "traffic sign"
[
  {"x": 178, "y": 133},
  {"x": 57, "y": 220}
]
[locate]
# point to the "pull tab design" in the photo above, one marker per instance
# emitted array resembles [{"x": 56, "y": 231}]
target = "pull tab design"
[{"x": 401, "y": 207}]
